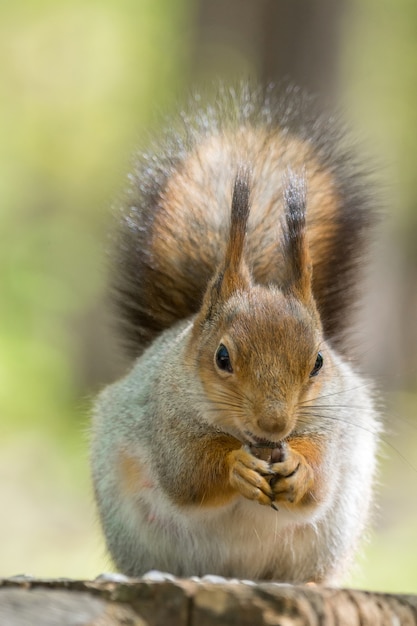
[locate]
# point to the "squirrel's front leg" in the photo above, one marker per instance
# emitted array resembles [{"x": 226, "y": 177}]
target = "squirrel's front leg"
[
  {"x": 296, "y": 478},
  {"x": 298, "y": 475},
  {"x": 217, "y": 470},
  {"x": 222, "y": 469}
]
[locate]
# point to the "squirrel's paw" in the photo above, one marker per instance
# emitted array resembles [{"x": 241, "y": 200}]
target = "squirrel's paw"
[
  {"x": 247, "y": 476},
  {"x": 293, "y": 478}
]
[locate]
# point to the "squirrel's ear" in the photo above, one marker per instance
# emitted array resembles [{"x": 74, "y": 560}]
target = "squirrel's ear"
[
  {"x": 233, "y": 274},
  {"x": 294, "y": 240}
]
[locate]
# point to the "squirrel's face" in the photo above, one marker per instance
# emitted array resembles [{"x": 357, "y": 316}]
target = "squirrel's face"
[{"x": 259, "y": 358}]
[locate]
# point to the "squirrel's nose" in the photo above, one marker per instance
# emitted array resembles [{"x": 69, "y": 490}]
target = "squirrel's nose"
[{"x": 276, "y": 422}]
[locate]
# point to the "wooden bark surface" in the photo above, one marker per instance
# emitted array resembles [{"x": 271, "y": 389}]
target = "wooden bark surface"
[{"x": 26, "y": 601}]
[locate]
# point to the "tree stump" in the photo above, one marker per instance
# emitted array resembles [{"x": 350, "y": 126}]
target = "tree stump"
[{"x": 208, "y": 601}]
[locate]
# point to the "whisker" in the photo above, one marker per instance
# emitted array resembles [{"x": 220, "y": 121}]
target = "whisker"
[
  {"x": 342, "y": 391},
  {"x": 365, "y": 429},
  {"x": 325, "y": 407},
  {"x": 402, "y": 457},
  {"x": 341, "y": 420}
]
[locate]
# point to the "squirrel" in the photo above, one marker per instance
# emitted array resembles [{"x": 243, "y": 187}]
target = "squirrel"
[{"x": 242, "y": 442}]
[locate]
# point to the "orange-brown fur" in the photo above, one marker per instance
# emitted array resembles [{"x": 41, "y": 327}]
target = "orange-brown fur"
[
  {"x": 133, "y": 476},
  {"x": 207, "y": 482},
  {"x": 130, "y": 473}
]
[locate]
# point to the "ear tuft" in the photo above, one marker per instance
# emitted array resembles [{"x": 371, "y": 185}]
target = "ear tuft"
[
  {"x": 294, "y": 239},
  {"x": 238, "y": 220},
  {"x": 233, "y": 274}
]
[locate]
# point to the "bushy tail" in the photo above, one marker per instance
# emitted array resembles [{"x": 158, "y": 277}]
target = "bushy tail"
[{"x": 175, "y": 228}]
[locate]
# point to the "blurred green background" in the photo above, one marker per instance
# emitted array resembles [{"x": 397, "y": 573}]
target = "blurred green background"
[{"x": 81, "y": 83}]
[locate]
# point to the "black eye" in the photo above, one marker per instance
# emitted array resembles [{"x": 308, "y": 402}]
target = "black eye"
[
  {"x": 317, "y": 365},
  {"x": 223, "y": 359}
]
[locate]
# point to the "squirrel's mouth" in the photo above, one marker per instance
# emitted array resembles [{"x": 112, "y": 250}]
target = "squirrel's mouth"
[{"x": 261, "y": 442}]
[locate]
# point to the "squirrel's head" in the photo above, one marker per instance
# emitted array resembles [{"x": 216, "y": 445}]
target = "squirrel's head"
[{"x": 259, "y": 349}]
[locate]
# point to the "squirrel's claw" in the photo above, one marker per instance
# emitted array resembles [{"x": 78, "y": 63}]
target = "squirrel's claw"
[
  {"x": 246, "y": 475},
  {"x": 293, "y": 478}
]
